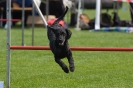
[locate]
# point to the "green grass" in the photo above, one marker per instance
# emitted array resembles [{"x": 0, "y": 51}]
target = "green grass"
[{"x": 37, "y": 69}]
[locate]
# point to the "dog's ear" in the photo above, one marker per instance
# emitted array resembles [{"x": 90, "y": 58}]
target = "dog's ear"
[
  {"x": 50, "y": 28},
  {"x": 69, "y": 33}
]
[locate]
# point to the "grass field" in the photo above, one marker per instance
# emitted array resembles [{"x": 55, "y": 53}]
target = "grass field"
[{"x": 37, "y": 69}]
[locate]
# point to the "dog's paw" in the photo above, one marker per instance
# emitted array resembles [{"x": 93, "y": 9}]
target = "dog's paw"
[
  {"x": 72, "y": 68},
  {"x": 66, "y": 70}
]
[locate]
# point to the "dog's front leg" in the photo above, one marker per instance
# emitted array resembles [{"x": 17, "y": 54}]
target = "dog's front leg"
[
  {"x": 62, "y": 65},
  {"x": 71, "y": 62}
]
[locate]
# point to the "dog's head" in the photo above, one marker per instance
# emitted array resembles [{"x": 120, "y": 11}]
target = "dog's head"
[{"x": 62, "y": 34}]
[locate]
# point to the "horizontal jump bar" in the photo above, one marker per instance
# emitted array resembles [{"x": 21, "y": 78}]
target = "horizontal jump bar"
[
  {"x": 12, "y": 20},
  {"x": 72, "y": 48}
]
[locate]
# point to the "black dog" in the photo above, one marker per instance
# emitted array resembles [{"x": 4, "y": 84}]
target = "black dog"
[{"x": 58, "y": 37}]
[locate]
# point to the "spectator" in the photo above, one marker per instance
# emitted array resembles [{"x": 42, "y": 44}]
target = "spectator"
[
  {"x": 18, "y": 14},
  {"x": 56, "y": 7},
  {"x": 15, "y": 14},
  {"x": 73, "y": 19},
  {"x": 28, "y": 3}
]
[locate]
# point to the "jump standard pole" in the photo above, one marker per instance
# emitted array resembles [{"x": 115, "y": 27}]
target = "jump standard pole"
[
  {"x": 8, "y": 4},
  {"x": 23, "y": 21}
]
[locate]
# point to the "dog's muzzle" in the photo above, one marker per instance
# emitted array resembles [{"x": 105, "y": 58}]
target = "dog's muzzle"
[{"x": 61, "y": 42}]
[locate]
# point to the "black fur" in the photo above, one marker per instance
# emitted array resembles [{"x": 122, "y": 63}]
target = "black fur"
[{"x": 58, "y": 37}]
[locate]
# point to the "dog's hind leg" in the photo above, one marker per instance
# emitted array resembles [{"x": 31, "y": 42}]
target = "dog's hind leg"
[
  {"x": 71, "y": 62},
  {"x": 62, "y": 65}
]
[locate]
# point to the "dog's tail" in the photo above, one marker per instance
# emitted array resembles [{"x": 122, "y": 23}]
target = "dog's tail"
[{"x": 61, "y": 17}]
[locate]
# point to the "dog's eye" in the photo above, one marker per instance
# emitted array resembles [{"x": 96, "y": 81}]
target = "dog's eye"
[{"x": 62, "y": 33}]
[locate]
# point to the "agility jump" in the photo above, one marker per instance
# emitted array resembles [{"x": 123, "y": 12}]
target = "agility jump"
[
  {"x": 72, "y": 48},
  {"x": 9, "y": 47}
]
